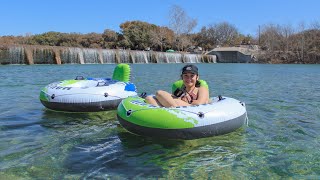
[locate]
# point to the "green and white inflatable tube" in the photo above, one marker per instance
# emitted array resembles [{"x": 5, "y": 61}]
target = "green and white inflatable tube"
[
  {"x": 89, "y": 94},
  {"x": 221, "y": 116}
]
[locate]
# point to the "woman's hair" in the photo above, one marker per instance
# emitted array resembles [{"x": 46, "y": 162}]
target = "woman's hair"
[{"x": 198, "y": 83}]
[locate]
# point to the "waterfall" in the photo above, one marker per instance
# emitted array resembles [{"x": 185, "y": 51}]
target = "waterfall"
[
  {"x": 162, "y": 58},
  {"x": 108, "y": 56},
  {"x": 211, "y": 58},
  {"x": 174, "y": 57},
  {"x": 140, "y": 56},
  {"x": 43, "y": 56},
  {"x": 16, "y": 55},
  {"x": 90, "y": 56},
  {"x": 192, "y": 58},
  {"x": 73, "y": 55},
  {"x": 125, "y": 56}
]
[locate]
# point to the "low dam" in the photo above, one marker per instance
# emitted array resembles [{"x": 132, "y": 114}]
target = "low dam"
[
  {"x": 26, "y": 54},
  {"x": 234, "y": 54}
]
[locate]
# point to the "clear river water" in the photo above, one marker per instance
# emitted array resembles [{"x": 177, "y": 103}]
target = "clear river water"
[{"x": 282, "y": 139}]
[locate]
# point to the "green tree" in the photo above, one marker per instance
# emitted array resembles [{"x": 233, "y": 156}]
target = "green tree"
[
  {"x": 71, "y": 40},
  {"x": 49, "y": 38},
  {"x": 92, "y": 40},
  {"x": 137, "y": 34},
  {"x": 110, "y": 38}
]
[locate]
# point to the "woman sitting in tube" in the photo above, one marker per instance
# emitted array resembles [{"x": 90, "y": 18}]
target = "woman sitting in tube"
[{"x": 191, "y": 92}]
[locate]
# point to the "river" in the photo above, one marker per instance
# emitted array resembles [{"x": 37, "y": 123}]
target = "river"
[{"x": 282, "y": 139}]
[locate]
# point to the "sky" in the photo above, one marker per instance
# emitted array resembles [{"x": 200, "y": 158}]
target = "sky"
[{"x": 19, "y": 17}]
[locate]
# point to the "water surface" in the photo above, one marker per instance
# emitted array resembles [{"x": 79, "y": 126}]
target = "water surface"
[{"x": 282, "y": 139}]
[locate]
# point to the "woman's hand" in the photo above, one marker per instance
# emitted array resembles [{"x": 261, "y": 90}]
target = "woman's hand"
[{"x": 186, "y": 98}]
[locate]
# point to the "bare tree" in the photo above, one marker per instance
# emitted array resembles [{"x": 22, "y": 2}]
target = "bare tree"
[
  {"x": 181, "y": 23},
  {"x": 185, "y": 42},
  {"x": 302, "y": 40},
  {"x": 205, "y": 39},
  {"x": 161, "y": 36},
  {"x": 315, "y": 25},
  {"x": 287, "y": 31},
  {"x": 271, "y": 37},
  {"x": 223, "y": 34}
]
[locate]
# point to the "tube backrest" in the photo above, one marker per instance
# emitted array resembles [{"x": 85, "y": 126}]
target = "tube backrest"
[{"x": 122, "y": 72}]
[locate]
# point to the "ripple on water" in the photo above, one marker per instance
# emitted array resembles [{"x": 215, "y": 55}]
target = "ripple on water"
[{"x": 281, "y": 140}]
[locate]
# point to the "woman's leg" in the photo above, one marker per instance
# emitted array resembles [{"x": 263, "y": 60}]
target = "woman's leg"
[
  {"x": 152, "y": 100},
  {"x": 179, "y": 102},
  {"x": 165, "y": 99}
]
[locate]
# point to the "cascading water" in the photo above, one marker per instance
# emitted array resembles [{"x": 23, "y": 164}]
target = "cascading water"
[
  {"x": 140, "y": 56},
  {"x": 71, "y": 55},
  {"x": 174, "y": 57},
  {"x": 192, "y": 58},
  {"x": 212, "y": 58},
  {"x": 90, "y": 56},
  {"x": 125, "y": 56},
  {"x": 162, "y": 58},
  {"x": 43, "y": 56},
  {"x": 16, "y": 55},
  {"x": 108, "y": 56}
]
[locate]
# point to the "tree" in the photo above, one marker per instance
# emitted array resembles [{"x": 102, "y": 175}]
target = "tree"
[
  {"x": 110, "y": 38},
  {"x": 185, "y": 41},
  {"x": 302, "y": 41},
  {"x": 161, "y": 37},
  {"x": 137, "y": 33},
  {"x": 7, "y": 40},
  {"x": 225, "y": 33},
  {"x": 271, "y": 37},
  {"x": 92, "y": 40},
  {"x": 315, "y": 25},
  {"x": 123, "y": 42},
  {"x": 181, "y": 24},
  {"x": 286, "y": 32},
  {"x": 49, "y": 38},
  {"x": 71, "y": 40}
]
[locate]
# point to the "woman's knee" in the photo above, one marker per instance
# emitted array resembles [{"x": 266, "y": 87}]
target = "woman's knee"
[
  {"x": 149, "y": 98},
  {"x": 161, "y": 93}
]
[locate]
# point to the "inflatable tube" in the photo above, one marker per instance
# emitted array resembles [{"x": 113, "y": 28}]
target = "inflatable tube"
[
  {"x": 221, "y": 116},
  {"x": 89, "y": 94},
  {"x": 122, "y": 73}
]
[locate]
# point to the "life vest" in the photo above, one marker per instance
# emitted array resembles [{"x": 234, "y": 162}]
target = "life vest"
[{"x": 179, "y": 84}]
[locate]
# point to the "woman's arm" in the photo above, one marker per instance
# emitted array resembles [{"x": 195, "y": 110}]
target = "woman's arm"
[{"x": 203, "y": 96}]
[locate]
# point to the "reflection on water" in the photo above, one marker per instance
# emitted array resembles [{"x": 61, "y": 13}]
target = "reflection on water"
[
  {"x": 128, "y": 155},
  {"x": 281, "y": 140}
]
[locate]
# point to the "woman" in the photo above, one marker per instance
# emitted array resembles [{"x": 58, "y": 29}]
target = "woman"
[{"x": 193, "y": 93}]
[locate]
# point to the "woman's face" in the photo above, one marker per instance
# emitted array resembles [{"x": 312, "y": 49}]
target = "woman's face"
[{"x": 189, "y": 79}]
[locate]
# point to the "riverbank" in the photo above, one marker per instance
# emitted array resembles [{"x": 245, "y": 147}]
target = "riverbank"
[
  {"x": 36, "y": 54},
  {"x": 289, "y": 57}
]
